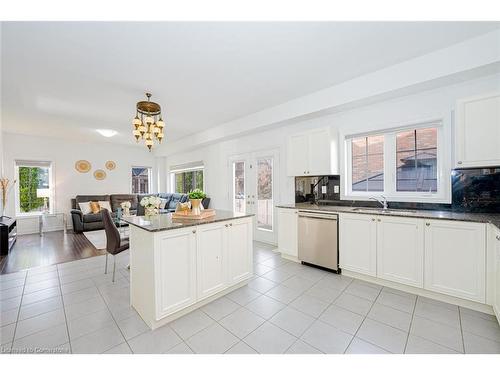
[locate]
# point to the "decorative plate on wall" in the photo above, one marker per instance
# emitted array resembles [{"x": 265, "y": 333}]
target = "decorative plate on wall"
[
  {"x": 110, "y": 165},
  {"x": 99, "y": 174},
  {"x": 83, "y": 166}
]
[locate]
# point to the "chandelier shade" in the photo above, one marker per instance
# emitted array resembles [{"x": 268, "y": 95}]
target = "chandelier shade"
[{"x": 148, "y": 123}]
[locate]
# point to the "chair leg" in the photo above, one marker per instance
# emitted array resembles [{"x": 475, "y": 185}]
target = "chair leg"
[
  {"x": 106, "y": 266},
  {"x": 114, "y": 267}
]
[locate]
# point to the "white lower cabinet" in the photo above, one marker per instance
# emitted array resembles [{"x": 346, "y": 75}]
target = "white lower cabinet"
[
  {"x": 496, "y": 297},
  {"x": 212, "y": 248},
  {"x": 455, "y": 259},
  {"x": 195, "y": 263},
  {"x": 175, "y": 267},
  {"x": 287, "y": 232},
  {"x": 239, "y": 252},
  {"x": 400, "y": 250},
  {"x": 358, "y": 243}
]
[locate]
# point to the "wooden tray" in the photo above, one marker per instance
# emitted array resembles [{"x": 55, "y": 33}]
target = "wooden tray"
[{"x": 187, "y": 215}]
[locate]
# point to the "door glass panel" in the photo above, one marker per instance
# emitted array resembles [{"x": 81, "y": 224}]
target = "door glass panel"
[
  {"x": 239, "y": 186},
  {"x": 265, "y": 193}
]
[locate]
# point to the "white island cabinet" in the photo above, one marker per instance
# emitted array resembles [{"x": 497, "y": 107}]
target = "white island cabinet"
[{"x": 176, "y": 267}]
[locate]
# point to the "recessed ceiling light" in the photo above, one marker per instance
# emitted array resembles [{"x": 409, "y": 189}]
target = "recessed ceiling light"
[{"x": 107, "y": 132}]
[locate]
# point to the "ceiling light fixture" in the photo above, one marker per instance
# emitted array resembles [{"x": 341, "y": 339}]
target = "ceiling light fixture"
[
  {"x": 148, "y": 124},
  {"x": 107, "y": 132}
]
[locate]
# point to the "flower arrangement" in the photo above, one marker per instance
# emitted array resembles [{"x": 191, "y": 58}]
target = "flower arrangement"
[
  {"x": 151, "y": 205},
  {"x": 5, "y": 186},
  {"x": 150, "y": 202},
  {"x": 197, "y": 194}
]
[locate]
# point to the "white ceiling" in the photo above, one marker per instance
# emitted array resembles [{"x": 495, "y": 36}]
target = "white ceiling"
[{"x": 68, "y": 79}]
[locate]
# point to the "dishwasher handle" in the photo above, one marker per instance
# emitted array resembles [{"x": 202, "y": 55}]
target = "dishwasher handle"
[{"x": 318, "y": 215}]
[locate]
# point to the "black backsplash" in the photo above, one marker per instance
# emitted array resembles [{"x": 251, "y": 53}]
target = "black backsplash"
[
  {"x": 473, "y": 190},
  {"x": 476, "y": 190}
]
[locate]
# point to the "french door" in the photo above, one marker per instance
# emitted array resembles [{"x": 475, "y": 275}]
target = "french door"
[{"x": 254, "y": 188}]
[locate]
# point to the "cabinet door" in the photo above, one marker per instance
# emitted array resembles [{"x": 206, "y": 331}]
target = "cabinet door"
[
  {"x": 211, "y": 250},
  {"x": 478, "y": 132},
  {"x": 239, "y": 251},
  {"x": 175, "y": 272},
  {"x": 358, "y": 243},
  {"x": 319, "y": 153},
  {"x": 287, "y": 232},
  {"x": 400, "y": 250},
  {"x": 496, "y": 299},
  {"x": 298, "y": 155},
  {"x": 455, "y": 255}
]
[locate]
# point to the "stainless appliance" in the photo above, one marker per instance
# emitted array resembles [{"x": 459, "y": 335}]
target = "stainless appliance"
[{"x": 318, "y": 239}]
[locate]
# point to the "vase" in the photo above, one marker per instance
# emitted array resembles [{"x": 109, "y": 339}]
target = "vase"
[
  {"x": 150, "y": 211},
  {"x": 195, "y": 206}
]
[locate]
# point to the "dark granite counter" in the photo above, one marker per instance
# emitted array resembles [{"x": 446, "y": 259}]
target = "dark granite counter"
[
  {"x": 166, "y": 222},
  {"x": 424, "y": 214}
]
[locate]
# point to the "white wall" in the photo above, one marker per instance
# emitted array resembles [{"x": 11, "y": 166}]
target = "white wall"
[
  {"x": 426, "y": 105},
  {"x": 69, "y": 182}
]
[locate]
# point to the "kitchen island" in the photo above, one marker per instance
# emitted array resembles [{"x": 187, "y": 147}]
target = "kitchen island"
[{"x": 178, "y": 265}]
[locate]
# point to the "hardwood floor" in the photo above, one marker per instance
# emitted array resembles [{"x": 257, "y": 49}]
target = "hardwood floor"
[{"x": 31, "y": 250}]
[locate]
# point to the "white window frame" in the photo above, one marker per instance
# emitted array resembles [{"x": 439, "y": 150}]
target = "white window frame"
[
  {"x": 150, "y": 178},
  {"x": 19, "y": 162},
  {"x": 443, "y": 194},
  {"x": 173, "y": 171}
]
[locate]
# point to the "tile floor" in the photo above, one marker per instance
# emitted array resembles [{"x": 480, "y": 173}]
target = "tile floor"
[{"x": 287, "y": 308}]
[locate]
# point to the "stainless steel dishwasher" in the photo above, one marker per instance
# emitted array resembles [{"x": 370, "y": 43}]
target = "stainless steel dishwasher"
[{"x": 318, "y": 239}]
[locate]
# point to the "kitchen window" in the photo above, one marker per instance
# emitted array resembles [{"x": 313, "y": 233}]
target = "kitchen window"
[
  {"x": 34, "y": 188},
  {"x": 405, "y": 164}
]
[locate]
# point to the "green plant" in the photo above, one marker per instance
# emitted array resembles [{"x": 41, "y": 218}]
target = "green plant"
[{"x": 197, "y": 194}]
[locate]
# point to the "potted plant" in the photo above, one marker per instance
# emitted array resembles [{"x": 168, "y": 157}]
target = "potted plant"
[
  {"x": 151, "y": 205},
  {"x": 195, "y": 197}
]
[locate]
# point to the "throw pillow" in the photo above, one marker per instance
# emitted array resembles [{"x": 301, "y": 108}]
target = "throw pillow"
[
  {"x": 85, "y": 208},
  {"x": 94, "y": 207},
  {"x": 105, "y": 205},
  {"x": 163, "y": 203}
]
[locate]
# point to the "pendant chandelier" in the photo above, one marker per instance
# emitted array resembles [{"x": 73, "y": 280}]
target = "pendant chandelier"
[{"x": 148, "y": 124}]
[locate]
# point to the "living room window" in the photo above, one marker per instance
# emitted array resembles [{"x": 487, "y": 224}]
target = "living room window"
[
  {"x": 186, "y": 178},
  {"x": 35, "y": 187},
  {"x": 141, "y": 180},
  {"x": 405, "y": 164}
]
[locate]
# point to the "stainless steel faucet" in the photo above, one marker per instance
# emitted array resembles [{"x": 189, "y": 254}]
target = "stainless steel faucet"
[{"x": 382, "y": 200}]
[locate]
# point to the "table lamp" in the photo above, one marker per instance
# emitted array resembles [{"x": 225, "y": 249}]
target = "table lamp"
[{"x": 44, "y": 193}]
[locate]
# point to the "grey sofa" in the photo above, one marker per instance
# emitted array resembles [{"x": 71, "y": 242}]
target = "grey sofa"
[{"x": 83, "y": 223}]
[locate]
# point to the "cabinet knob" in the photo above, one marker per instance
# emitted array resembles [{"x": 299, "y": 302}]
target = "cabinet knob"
[
  {"x": 226, "y": 225},
  {"x": 428, "y": 224},
  {"x": 373, "y": 219},
  {"x": 379, "y": 220},
  {"x": 459, "y": 162},
  {"x": 194, "y": 231},
  {"x": 231, "y": 224},
  {"x": 498, "y": 238}
]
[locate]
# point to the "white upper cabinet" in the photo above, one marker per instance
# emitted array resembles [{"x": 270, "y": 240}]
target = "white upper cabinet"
[
  {"x": 310, "y": 154},
  {"x": 400, "y": 250},
  {"x": 455, "y": 259},
  {"x": 287, "y": 232},
  {"x": 358, "y": 243},
  {"x": 477, "y": 135}
]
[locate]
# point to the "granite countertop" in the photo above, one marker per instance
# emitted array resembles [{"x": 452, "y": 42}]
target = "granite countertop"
[
  {"x": 165, "y": 222},
  {"x": 425, "y": 214}
]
